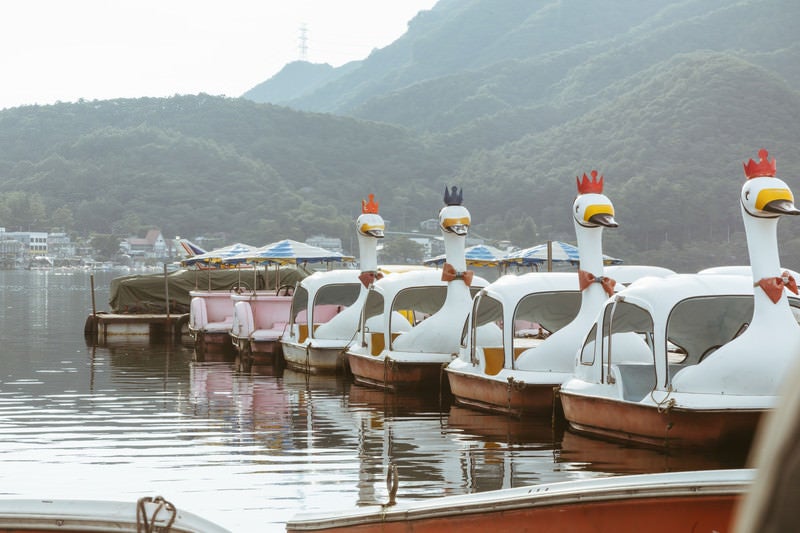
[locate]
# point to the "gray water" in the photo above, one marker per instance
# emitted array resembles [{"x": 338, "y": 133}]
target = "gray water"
[{"x": 246, "y": 450}]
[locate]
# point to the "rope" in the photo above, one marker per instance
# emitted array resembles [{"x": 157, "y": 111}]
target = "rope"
[
  {"x": 513, "y": 385},
  {"x": 442, "y": 374},
  {"x": 665, "y": 405},
  {"x": 145, "y": 524}
]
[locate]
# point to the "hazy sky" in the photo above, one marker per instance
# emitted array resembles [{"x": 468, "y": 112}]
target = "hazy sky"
[{"x": 63, "y": 50}]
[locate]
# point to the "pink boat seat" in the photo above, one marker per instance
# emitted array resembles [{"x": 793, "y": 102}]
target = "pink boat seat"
[
  {"x": 266, "y": 334},
  {"x": 223, "y": 326},
  {"x": 198, "y": 317},
  {"x": 243, "y": 325}
]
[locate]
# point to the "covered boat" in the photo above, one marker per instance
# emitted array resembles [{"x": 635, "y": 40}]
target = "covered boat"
[{"x": 149, "y": 293}]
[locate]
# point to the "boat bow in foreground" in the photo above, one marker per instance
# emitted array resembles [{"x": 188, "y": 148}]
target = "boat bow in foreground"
[{"x": 700, "y": 501}]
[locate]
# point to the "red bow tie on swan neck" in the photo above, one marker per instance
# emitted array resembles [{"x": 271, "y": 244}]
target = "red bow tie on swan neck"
[
  {"x": 449, "y": 273},
  {"x": 587, "y": 278},
  {"x": 773, "y": 287},
  {"x": 368, "y": 277}
]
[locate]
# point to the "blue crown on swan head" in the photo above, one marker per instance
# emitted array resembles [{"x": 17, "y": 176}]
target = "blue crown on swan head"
[{"x": 454, "y": 196}]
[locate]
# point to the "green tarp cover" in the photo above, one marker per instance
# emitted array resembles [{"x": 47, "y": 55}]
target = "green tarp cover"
[{"x": 146, "y": 293}]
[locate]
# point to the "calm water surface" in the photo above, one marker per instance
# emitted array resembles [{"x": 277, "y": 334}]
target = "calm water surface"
[{"x": 247, "y": 451}]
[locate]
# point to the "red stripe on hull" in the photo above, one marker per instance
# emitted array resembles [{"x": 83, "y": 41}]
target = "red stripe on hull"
[
  {"x": 495, "y": 396},
  {"x": 390, "y": 374},
  {"x": 668, "y": 427},
  {"x": 654, "y": 515}
]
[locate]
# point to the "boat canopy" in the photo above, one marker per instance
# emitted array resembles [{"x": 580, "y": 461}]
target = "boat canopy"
[{"x": 146, "y": 293}]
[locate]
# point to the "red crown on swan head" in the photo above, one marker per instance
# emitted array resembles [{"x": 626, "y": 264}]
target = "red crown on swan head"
[
  {"x": 586, "y": 186},
  {"x": 371, "y": 206},
  {"x": 764, "y": 168}
]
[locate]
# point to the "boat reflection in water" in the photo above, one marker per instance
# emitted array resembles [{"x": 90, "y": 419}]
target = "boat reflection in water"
[{"x": 589, "y": 453}]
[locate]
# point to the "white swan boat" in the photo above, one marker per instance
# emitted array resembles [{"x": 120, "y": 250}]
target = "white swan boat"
[
  {"x": 528, "y": 309},
  {"x": 543, "y": 318},
  {"x": 412, "y": 322},
  {"x": 327, "y": 305},
  {"x": 695, "y": 359}
]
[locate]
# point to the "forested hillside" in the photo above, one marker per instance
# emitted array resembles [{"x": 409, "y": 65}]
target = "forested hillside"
[{"x": 510, "y": 99}]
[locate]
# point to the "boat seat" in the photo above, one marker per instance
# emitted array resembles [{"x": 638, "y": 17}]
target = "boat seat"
[
  {"x": 638, "y": 379},
  {"x": 243, "y": 325},
  {"x": 493, "y": 358},
  {"x": 223, "y": 326},
  {"x": 266, "y": 334},
  {"x": 198, "y": 317}
]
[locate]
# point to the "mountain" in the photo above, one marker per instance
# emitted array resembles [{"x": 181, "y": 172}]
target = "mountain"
[{"x": 510, "y": 99}]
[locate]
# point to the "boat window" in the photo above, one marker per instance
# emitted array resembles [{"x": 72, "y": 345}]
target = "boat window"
[
  {"x": 300, "y": 305},
  {"x": 550, "y": 310},
  {"x": 344, "y": 294},
  {"x": 587, "y": 351},
  {"x": 698, "y": 326},
  {"x": 373, "y": 305},
  {"x": 485, "y": 310},
  {"x": 627, "y": 335},
  {"x": 794, "y": 305},
  {"x": 419, "y": 301}
]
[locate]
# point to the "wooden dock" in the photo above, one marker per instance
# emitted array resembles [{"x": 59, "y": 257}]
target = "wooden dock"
[{"x": 107, "y": 327}]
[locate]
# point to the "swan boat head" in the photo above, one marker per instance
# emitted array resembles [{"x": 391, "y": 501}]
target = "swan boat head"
[
  {"x": 764, "y": 195},
  {"x": 370, "y": 223},
  {"x": 592, "y": 208},
  {"x": 369, "y": 227},
  {"x": 454, "y": 218}
]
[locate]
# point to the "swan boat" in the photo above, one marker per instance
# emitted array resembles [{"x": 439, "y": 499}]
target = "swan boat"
[
  {"x": 327, "y": 305},
  {"x": 694, "y": 360},
  {"x": 527, "y": 308},
  {"x": 412, "y": 322},
  {"x": 519, "y": 373},
  {"x": 662, "y": 502}
]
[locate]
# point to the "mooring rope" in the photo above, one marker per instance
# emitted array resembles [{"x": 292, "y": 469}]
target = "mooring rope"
[{"x": 147, "y": 524}]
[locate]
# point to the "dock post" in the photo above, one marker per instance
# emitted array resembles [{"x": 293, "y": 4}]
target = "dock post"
[
  {"x": 90, "y": 327},
  {"x": 94, "y": 307}
]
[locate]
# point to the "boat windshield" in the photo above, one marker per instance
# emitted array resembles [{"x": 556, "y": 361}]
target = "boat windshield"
[
  {"x": 549, "y": 310},
  {"x": 701, "y": 325},
  {"x": 300, "y": 305}
]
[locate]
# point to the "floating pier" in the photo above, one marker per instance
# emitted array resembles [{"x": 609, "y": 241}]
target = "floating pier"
[
  {"x": 106, "y": 327},
  {"x": 102, "y": 327}
]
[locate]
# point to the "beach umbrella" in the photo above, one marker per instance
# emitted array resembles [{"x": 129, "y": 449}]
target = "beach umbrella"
[
  {"x": 218, "y": 255},
  {"x": 288, "y": 252},
  {"x": 479, "y": 255},
  {"x": 560, "y": 252}
]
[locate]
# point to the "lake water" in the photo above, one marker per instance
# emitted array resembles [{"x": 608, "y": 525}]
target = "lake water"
[{"x": 246, "y": 450}]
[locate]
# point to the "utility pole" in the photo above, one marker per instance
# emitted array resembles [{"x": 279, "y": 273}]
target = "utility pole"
[{"x": 303, "y": 42}]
